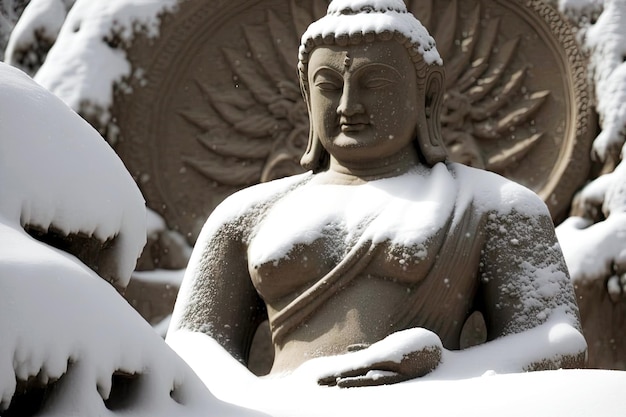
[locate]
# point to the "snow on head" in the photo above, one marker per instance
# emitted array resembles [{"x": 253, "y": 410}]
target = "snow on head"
[
  {"x": 347, "y": 18},
  {"x": 56, "y": 171}
]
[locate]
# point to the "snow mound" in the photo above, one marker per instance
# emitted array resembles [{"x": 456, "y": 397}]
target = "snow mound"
[
  {"x": 64, "y": 327},
  {"x": 57, "y": 173},
  {"x": 605, "y": 39},
  {"x": 35, "y": 32},
  {"x": 88, "y": 57},
  {"x": 71, "y": 345}
]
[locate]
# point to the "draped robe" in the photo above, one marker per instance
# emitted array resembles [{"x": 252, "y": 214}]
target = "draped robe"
[{"x": 455, "y": 239}]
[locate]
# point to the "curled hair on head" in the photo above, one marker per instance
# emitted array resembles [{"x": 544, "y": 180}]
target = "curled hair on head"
[{"x": 421, "y": 67}]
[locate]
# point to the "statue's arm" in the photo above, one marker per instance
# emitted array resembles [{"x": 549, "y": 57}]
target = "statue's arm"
[
  {"x": 217, "y": 297},
  {"x": 525, "y": 285}
]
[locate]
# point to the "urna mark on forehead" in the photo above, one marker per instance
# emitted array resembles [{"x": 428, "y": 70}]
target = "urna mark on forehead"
[{"x": 353, "y": 58}]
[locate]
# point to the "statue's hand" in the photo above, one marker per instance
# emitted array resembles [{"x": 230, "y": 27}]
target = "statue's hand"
[{"x": 399, "y": 357}]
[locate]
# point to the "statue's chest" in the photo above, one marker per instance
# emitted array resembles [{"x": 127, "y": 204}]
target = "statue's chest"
[{"x": 306, "y": 235}]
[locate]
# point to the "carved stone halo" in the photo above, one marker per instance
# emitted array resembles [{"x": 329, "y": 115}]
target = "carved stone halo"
[{"x": 218, "y": 106}]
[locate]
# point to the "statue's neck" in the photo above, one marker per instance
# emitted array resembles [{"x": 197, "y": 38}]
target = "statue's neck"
[{"x": 358, "y": 172}]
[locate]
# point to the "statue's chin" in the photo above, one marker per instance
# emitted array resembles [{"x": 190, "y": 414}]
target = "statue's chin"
[{"x": 352, "y": 139}]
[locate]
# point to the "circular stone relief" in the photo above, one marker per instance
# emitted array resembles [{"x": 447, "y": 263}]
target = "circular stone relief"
[{"x": 215, "y": 103}]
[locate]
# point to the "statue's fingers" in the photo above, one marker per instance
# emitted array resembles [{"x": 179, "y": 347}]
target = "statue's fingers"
[
  {"x": 329, "y": 381},
  {"x": 372, "y": 378},
  {"x": 360, "y": 372}
]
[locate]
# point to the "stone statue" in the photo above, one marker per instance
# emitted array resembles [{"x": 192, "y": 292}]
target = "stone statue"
[{"x": 383, "y": 238}]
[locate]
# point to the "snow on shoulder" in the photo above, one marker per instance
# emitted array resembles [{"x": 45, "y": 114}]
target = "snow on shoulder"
[
  {"x": 493, "y": 193},
  {"x": 57, "y": 172}
]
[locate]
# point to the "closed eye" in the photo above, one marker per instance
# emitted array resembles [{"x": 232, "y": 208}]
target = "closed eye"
[
  {"x": 327, "y": 79},
  {"x": 375, "y": 83},
  {"x": 327, "y": 85}
]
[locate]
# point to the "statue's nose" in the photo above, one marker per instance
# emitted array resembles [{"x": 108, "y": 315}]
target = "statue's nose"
[{"x": 349, "y": 103}]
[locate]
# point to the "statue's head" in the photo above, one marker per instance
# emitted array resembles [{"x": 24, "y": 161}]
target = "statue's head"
[{"x": 397, "y": 55}]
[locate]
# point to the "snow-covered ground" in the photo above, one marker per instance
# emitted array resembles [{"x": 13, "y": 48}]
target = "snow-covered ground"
[{"x": 446, "y": 392}]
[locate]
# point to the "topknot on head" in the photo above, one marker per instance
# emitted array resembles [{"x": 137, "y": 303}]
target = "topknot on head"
[
  {"x": 354, "y": 21},
  {"x": 365, "y": 6}
]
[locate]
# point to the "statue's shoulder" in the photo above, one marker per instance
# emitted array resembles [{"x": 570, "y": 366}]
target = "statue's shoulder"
[
  {"x": 250, "y": 203},
  {"x": 491, "y": 192}
]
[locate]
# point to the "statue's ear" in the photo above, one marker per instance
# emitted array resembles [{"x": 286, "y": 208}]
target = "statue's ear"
[
  {"x": 431, "y": 142},
  {"x": 315, "y": 157}
]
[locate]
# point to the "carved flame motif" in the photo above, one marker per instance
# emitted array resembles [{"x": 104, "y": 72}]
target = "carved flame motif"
[
  {"x": 261, "y": 125},
  {"x": 485, "y": 100}
]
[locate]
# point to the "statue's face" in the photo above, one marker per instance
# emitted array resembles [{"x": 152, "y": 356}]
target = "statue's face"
[{"x": 364, "y": 99}]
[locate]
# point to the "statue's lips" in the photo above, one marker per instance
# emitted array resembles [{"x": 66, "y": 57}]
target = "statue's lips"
[{"x": 353, "y": 127}]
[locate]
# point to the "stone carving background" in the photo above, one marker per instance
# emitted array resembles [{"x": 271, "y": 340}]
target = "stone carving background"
[{"x": 224, "y": 108}]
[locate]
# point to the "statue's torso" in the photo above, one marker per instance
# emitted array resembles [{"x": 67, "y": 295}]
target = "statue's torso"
[{"x": 400, "y": 224}]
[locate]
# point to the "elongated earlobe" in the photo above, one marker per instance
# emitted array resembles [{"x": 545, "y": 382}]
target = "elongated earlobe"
[
  {"x": 429, "y": 125},
  {"x": 312, "y": 158},
  {"x": 315, "y": 157}
]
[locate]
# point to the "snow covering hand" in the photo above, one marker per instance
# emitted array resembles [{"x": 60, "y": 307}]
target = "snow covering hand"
[{"x": 401, "y": 356}]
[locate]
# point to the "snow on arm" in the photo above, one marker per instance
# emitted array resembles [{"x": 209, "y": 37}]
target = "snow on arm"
[
  {"x": 523, "y": 275},
  {"x": 524, "y": 279},
  {"x": 217, "y": 296},
  {"x": 491, "y": 192},
  {"x": 552, "y": 345}
]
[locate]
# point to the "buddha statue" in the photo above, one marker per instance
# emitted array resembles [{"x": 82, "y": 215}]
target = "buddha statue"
[{"x": 383, "y": 239}]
